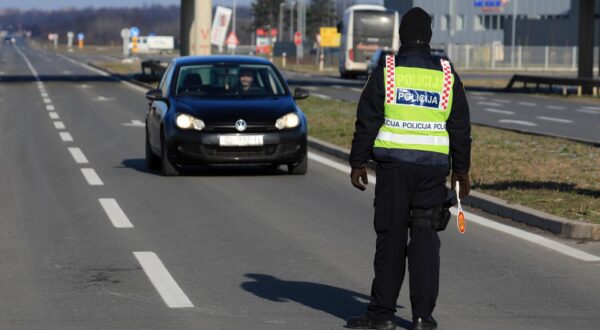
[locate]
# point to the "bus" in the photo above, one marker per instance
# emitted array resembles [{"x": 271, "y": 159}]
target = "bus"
[{"x": 364, "y": 29}]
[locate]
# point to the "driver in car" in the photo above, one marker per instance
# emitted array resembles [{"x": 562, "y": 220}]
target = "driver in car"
[{"x": 246, "y": 86}]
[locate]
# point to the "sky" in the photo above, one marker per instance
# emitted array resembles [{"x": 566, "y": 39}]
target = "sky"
[{"x": 57, "y": 4}]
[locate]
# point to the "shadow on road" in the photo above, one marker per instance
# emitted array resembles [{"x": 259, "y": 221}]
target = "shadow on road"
[
  {"x": 139, "y": 164},
  {"x": 338, "y": 302},
  {"x": 539, "y": 185}
]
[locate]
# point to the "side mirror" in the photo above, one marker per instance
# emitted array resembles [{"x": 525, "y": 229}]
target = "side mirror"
[
  {"x": 300, "y": 93},
  {"x": 155, "y": 95}
]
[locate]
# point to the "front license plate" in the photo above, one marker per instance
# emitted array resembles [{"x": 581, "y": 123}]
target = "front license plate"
[{"x": 240, "y": 140}]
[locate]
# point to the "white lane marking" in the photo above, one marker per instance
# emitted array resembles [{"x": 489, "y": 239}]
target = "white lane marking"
[
  {"x": 92, "y": 178},
  {"x": 481, "y": 98},
  {"x": 164, "y": 283},
  {"x": 135, "y": 123},
  {"x": 501, "y": 100},
  {"x": 59, "y": 125},
  {"x": 30, "y": 66},
  {"x": 528, "y": 104},
  {"x": 47, "y": 100},
  {"x": 557, "y": 120},
  {"x": 504, "y": 112},
  {"x": 593, "y": 112},
  {"x": 337, "y": 86},
  {"x": 102, "y": 73},
  {"x": 517, "y": 122},
  {"x": 354, "y": 89},
  {"x": 2, "y": 73},
  {"x": 78, "y": 155},
  {"x": 53, "y": 115},
  {"x": 311, "y": 88},
  {"x": 592, "y": 108},
  {"x": 49, "y": 107},
  {"x": 65, "y": 136},
  {"x": 67, "y": 72},
  {"x": 134, "y": 86},
  {"x": 103, "y": 99},
  {"x": 482, "y": 93},
  {"x": 115, "y": 213},
  {"x": 555, "y": 107},
  {"x": 45, "y": 95},
  {"x": 321, "y": 96},
  {"x": 491, "y": 104},
  {"x": 533, "y": 238}
]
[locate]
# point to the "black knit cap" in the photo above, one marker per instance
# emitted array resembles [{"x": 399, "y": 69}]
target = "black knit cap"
[{"x": 415, "y": 27}]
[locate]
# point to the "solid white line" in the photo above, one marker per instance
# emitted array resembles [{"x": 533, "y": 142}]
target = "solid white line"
[
  {"x": 518, "y": 122},
  {"x": 558, "y": 120},
  {"x": 59, "y": 125},
  {"x": 49, "y": 107},
  {"x": 354, "y": 89},
  {"x": 555, "y": 107},
  {"x": 31, "y": 68},
  {"x": 533, "y": 238},
  {"x": 53, "y": 115},
  {"x": 78, "y": 155},
  {"x": 115, "y": 213},
  {"x": 491, "y": 104},
  {"x": 321, "y": 96},
  {"x": 164, "y": 283},
  {"x": 92, "y": 178},
  {"x": 529, "y": 104},
  {"x": 504, "y": 112},
  {"x": 65, "y": 136}
]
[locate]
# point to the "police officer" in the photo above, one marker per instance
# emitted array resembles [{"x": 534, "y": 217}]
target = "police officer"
[{"x": 413, "y": 120}]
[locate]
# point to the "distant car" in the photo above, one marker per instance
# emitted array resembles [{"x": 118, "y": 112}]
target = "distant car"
[
  {"x": 224, "y": 110},
  {"x": 9, "y": 40},
  {"x": 374, "y": 60}
]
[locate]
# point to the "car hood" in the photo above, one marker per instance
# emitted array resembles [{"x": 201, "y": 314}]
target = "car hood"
[{"x": 252, "y": 110}]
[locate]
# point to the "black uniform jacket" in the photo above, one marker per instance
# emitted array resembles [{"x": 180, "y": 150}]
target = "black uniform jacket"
[{"x": 370, "y": 112}]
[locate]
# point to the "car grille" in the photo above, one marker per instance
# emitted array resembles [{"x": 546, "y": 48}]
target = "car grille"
[
  {"x": 232, "y": 129},
  {"x": 233, "y": 152}
]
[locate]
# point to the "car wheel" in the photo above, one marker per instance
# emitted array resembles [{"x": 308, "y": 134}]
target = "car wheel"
[
  {"x": 299, "y": 168},
  {"x": 167, "y": 169},
  {"x": 152, "y": 161}
]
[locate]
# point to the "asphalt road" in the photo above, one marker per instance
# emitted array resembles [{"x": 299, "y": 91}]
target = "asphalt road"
[
  {"x": 555, "y": 116},
  {"x": 90, "y": 240}
]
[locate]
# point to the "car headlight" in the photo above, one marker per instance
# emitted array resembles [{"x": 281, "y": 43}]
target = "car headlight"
[
  {"x": 185, "y": 121},
  {"x": 290, "y": 120}
]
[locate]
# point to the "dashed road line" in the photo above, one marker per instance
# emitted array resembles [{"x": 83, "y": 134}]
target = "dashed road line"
[
  {"x": 517, "y": 122},
  {"x": 504, "y": 112},
  {"x": 47, "y": 100},
  {"x": 59, "y": 125},
  {"x": 491, "y": 104},
  {"x": 163, "y": 282},
  {"x": 527, "y": 104},
  {"x": 555, "y": 107},
  {"x": 557, "y": 120},
  {"x": 501, "y": 100},
  {"x": 44, "y": 94},
  {"x": 592, "y": 108},
  {"x": 78, "y": 155},
  {"x": 92, "y": 178},
  {"x": 530, "y": 237},
  {"x": 66, "y": 136},
  {"x": 53, "y": 115},
  {"x": 592, "y": 112},
  {"x": 49, "y": 107},
  {"x": 115, "y": 214}
]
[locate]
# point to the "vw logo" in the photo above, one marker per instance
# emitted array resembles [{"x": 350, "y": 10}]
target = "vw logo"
[{"x": 240, "y": 125}]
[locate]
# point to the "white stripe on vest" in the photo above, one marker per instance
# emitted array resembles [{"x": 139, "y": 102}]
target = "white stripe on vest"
[{"x": 414, "y": 139}]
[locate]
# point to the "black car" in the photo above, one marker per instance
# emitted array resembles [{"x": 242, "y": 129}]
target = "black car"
[{"x": 224, "y": 110}]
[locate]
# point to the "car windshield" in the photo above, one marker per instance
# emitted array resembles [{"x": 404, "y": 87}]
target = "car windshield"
[{"x": 227, "y": 80}]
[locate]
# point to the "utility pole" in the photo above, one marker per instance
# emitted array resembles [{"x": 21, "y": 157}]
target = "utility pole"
[
  {"x": 280, "y": 26},
  {"x": 196, "y": 19},
  {"x": 292, "y": 20},
  {"x": 513, "y": 32}
]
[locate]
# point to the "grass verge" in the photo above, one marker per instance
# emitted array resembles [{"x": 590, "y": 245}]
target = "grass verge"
[{"x": 554, "y": 175}]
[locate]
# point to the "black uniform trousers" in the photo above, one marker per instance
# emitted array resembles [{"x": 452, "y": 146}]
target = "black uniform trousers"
[{"x": 399, "y": 188}]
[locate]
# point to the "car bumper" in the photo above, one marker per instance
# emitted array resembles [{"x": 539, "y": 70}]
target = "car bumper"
[{"x": 192, "y": 148}]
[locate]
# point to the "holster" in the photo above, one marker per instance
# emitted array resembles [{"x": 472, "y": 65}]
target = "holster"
[{"x": 437, "y": 217}]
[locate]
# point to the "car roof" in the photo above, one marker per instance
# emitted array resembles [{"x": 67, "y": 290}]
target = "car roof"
[{"x": 212, "y": 59}]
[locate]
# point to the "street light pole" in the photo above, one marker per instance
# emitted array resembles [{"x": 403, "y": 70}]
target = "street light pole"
[
  {"x": 280, "y": 26},
  {"x": 292, "y": 20},
  {"x": 513, "y": 32}
]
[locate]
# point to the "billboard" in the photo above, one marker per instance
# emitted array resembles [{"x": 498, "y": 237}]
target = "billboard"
[{"x": 220, "y": 25}]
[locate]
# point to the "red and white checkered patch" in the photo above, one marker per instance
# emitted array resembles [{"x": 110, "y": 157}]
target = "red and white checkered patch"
[
  {"x": 390, "y": 84},
  {"x": 447, "y": 84}
]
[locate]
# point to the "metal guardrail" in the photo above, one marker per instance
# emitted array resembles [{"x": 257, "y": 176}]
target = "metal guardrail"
[
  {"x": 551, "y": 82},
  {"x": 152, "y": 70}
]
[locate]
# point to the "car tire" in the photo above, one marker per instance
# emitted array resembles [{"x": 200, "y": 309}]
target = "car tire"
[
  {"x": 152, "y": 161},
  {"x": 167, "y": 168},
  {"x": 299, "y": 168}
]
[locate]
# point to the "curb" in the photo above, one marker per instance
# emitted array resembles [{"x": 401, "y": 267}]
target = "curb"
[
  {"x": 496, "y": 206},
  {"x": 489, "y": 204}
]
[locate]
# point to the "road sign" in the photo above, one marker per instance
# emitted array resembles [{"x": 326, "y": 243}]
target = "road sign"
[
  {"x": 134, "y": 31},
  {"x": 80, "y": 36},
  {"x": 330, "y": 37},
  {"x": 125, "y": 33},
  {"x": 298, "y": 38},
  {"x": 232, "y": 40}
]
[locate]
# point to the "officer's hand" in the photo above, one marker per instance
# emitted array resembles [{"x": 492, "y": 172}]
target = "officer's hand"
[
  {"x": 463, "y": 182},
  {"x": 359, "y": 173}
]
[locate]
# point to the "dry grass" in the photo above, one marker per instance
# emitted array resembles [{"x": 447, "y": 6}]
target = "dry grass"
[{"x": 554, "y": 175}]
